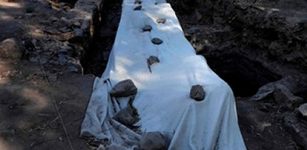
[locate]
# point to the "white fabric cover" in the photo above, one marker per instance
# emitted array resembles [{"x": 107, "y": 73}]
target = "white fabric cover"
[{"x": 163, "y": 100}]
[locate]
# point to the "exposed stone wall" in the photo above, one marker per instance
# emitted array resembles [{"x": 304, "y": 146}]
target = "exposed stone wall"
[
  {"x": 84, "y": 19},
  {"x": 86, "y": 13}
]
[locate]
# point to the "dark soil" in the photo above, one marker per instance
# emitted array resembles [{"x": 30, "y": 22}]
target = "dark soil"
[{"x": 249, "y": 44}]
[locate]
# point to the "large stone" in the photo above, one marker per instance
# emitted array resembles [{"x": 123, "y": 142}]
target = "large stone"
[
  {"x": 154, "y": 141},
  {"x": 128, "y": 116},
  {"x": 281, "y": 94},
  {"x": 9, "y": 49},
  {"x": 197, "y": 93},
  {"x": 11, "y": 27},
  {"x": 124, "y": 89}
]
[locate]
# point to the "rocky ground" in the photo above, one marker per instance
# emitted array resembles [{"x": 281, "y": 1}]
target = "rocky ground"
[
  {"x": 43, "y": 94},
  {"x": 258, "y": 47}
]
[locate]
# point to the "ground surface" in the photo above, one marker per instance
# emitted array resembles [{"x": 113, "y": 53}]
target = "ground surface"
[
  {"x": 43, "y": 95},
  {"x": 40, "y": 108}
]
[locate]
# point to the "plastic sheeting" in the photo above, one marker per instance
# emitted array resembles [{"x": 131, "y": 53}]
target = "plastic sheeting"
[{"x": 163, "y": 100}]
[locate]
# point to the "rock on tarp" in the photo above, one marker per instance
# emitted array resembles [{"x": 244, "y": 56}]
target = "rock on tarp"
[
  {"x": 124, "y": 88},
  {"x": 163, "y": 100},
  {"x": 197, "y": 92}
]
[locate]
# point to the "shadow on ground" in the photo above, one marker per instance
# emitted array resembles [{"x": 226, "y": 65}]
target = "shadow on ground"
[{"x": 38, "y": 110}]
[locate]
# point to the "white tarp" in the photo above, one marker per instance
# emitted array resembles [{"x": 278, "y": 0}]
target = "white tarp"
[{"x": 163, "y": 100}]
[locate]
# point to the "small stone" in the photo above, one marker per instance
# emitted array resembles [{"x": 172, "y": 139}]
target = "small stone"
[
  {"x": 161, "y": 20},
  {"x": 74, "y": 66},
  {"x": 19, "y": 17},
  {"x": 137, "y": 8},
  {"x": 124, "y": 89},
  {"x": 152, "y": 60},
  {"x": 156, "y": 41},
  {"x": 64, "y": 19},
  {"x": 147, "y": 28},
  {"x": 197, "y": 93},
  {"x": 303, "y": 110},
  {"x": 29, "y": 15},
  {"x": 76, "y": 24},
  {"x": 9, "y": 49}
]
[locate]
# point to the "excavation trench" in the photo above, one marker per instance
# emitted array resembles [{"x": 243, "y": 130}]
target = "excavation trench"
[
  {"x": 242, "y": 74},
  {"x": 96, "y": 56},
  {"x": 245, "y": 76}
]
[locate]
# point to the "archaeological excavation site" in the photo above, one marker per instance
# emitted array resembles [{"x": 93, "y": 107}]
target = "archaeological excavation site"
[{"x": 153, "y": 75}]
